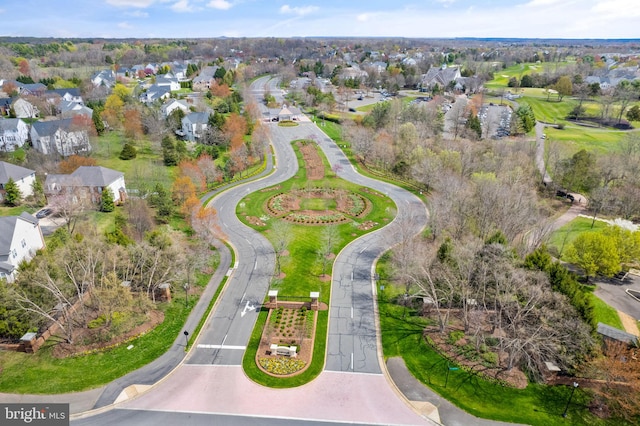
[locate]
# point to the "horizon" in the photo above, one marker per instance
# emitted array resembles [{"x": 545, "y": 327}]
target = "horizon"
[{"x": 428, "y": 19}]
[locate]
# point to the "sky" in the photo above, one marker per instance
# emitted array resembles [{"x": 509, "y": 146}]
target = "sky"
[{"x": 569, "y": 19}]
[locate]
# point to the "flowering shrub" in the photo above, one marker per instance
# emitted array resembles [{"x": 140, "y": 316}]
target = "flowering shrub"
[{"x": 282, "y": 365}]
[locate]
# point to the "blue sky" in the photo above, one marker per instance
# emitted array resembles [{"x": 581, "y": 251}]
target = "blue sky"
[{"x": 286, "y": 18}]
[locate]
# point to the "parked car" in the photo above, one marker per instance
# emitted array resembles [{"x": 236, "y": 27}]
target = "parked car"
[{"x": 43, "y": 213}]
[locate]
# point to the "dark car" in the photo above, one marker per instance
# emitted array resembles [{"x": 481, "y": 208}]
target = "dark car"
[{"x": 43, "y": 213}]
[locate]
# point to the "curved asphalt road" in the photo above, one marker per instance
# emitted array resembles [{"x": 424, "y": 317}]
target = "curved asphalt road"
[{"x": 211, "y": 383}]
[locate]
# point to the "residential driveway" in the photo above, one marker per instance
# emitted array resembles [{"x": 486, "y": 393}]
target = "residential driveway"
[{"x": 613, "y": 293}]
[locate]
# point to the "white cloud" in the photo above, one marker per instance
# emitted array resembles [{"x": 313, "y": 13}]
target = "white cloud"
[
  {"x": 220, "y": 4},
  {"x": 124, "y": 25},
  {"x": 137, "y": 14},
  {"x": 131, "y": 3},
  {"x": 300, "y": 11},
  {"x": 446, "y": 3},
  {"x": 182, "y": 6},
  {"x": 617, "y": 8}
]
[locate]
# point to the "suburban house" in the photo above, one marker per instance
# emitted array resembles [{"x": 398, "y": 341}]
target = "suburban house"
[
  {"x": 13, "y": 134},
  {"x": 87, "y": 182},
  {"x": 168, "y": 80},
  {"x": 59, "y": 136},
  {"x": 353, "y": 72},
  {"x": 104, "y": 78},
  {"x": 155, "y": 93},
  {"x": 20, "y": 239},
  {"x": 171, "y": 105},
  {"x": 36, "y": 89},
  {"x": 24, "y": 109},
  {"x": 69, "y": 95},
  {"x": 194, "y": 125},
  {"x": 442, "y": 77},
  {"x": 203, "y": 81},
  {"x": 23, "y": 177},
  {"x": 69, "y": 109}
]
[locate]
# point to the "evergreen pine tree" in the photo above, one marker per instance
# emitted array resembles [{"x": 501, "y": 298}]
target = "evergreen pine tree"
[
  {"x": 12, "y": 194},
  {"x": 106, "y": 202},
  {"x": 128, "y": 152}
]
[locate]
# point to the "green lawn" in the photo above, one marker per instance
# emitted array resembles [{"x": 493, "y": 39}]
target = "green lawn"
[
  {"x": 605, "y": 313},
  {"x": 564, "y": 236},
  {"x": 573, "y": 138},
  {"x": 303, "y": 266},
  {"x": 40, "y": 373},
  {"x": 146, "y": 169}
]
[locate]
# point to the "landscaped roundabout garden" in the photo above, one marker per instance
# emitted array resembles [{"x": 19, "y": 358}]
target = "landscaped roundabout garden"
[{"x": 308, "y": 219}]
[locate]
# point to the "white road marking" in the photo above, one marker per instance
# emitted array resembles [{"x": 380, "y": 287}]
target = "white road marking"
[
  {"x": 241, "y": 348},
  {"x": 247, "y": 308}
]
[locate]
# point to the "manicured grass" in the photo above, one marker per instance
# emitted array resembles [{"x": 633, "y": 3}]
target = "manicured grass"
[
  {"x": 561, "y": 238},
  {"x": 40, "y": 373},
  {"x": 574, "y": 138},
  {"x": 605, "y": 313},
  {"x": 303, "y": 266}
]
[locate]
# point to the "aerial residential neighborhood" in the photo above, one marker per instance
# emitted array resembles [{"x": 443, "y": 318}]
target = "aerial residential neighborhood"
[{"x": 227, "y": 213}]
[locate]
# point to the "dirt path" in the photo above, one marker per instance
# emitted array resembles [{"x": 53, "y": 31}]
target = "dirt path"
[{"x": 629, "y": 323}]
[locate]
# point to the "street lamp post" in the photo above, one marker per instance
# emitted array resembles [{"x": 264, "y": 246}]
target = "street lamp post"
[
  {"x": 575, "y": 386},
  {"x": 186, "y": 338}
]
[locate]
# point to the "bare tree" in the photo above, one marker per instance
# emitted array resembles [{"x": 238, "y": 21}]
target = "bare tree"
[{"x": 281, "y": 237}]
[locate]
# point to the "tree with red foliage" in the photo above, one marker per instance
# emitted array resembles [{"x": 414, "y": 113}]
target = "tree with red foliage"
[
  {"x": 84, "y": 122},
  {"x": 235, "y": 127},
  {"x": 182, "y": 189},
  {"x": 71, "y": 163},
  {"x": 220, "y": 90},
  {"x": 23, "y": 67},
  {"x": 132, "y": 123},
  {"x": 191, "y": 169}
]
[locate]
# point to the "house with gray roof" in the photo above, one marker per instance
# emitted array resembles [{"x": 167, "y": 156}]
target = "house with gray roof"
[
  {"x": 194, "y": 125},
  {"x": 69, "y": 95},
  {"x": 155, "y": 93},
  {"x": 22, "y": 176},
  {"x": 20, "y": 239},
  {"x": 69, "y": 109},
  {"x": 13, "y": 134},
  {"x": 104, "y": 78},
  {"x": 442, "y": 77},
  {"x": 59, "y": 136},
  {"x": 203, "y": 81},
  {"x": 87, "y": 182},
  {"x": 171, "y": 105}
]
